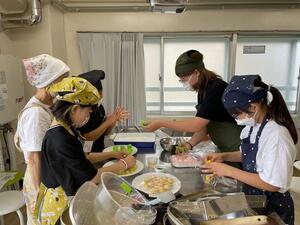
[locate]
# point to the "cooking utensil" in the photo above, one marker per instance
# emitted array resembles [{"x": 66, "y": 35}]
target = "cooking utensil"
[
  {"x": 224, "y": 205},
  {"x": 248, "y": 220},
  {"x": 164, "y": 197},
  {"x": 170, "y": 143}
]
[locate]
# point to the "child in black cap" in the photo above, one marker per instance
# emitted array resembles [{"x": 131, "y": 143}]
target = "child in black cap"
[{"x": 99, "y": 124}]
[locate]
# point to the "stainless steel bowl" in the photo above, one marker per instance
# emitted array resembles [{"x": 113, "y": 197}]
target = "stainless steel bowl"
[{"x": 169, "y": 144}]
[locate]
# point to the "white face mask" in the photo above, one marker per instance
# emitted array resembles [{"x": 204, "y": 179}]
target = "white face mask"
[
  {"x": 248, "y": 121},
  {"x": 78, "y": 125},
  {"x": 187, "y": 86}
]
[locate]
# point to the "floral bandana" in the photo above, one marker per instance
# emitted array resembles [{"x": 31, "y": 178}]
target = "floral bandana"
[{"x": 43, "y": 69}]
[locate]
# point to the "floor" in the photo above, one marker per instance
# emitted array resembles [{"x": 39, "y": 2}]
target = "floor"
[{"x": 12, "y": 218}]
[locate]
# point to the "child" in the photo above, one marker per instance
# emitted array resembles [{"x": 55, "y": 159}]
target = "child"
[
  {"x": 64, "y": 165},
  {"x": 268, "y": 141}
]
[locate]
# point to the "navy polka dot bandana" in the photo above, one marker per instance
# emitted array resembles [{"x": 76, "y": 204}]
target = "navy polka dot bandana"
[{"x": 241, "y": 91}]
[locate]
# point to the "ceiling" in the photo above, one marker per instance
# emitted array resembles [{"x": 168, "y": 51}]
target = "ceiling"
[
  {"x": 143, "y": 5},
  {"x": 19, "y": 6}
]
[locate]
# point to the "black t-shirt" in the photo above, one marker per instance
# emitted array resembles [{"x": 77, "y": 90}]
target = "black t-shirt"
[
  {"x": 64, "y": 162},
  {"x": 210, "y": 105},
  {"x": 97, "y": 117}
]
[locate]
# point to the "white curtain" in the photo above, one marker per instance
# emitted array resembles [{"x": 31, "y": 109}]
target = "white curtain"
[{"x": 121, "y": 56}]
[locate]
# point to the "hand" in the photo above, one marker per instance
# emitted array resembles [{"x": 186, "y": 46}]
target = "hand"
[
  {"x": 124, "y": 115},
  {"x": 215, "y": 157},
  {"x": 130, "y": 160},
  {"x": 217, "y": 169},
  {"x": 119, "y": 155},
  {"x": 188, "y": 146},
  {"x": 153, "y": 125},
  {"x": 181, "y": 150},
  {"x": 119, "y": 114}
]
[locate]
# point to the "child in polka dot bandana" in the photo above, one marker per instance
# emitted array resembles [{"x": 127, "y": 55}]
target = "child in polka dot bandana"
[{"x": 268, "y": 141}]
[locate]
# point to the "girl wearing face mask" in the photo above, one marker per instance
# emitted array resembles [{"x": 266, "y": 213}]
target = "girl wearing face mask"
[
  {"x": 211, "y": 117},
  {"x": 100, "y": 124},
  {"x": 267, "y": 144},
  {"x": 65, "y": 167}
]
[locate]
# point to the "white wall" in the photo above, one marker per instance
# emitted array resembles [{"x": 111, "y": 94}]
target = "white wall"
[
  {"x": 205, "y": 20},
  {"x": 46, "y": 37},
  {"x": 6, "y": 45}
]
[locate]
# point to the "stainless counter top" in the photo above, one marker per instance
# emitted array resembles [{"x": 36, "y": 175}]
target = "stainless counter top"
[{"x": 191, "y": 179}]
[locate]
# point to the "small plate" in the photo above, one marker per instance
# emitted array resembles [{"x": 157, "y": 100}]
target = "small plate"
[
  {"x": 110, "y": 149},
  {"x": 139, "y": 167},
  {"x": 138, "y": 182}
]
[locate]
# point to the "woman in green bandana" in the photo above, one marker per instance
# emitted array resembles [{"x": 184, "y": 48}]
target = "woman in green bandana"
[
  {"x": 65, "y": 167},
  {"x": 211, "y": 117}
]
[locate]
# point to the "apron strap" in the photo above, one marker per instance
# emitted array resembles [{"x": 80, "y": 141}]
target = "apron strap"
[{"x": 33, "y": 105}]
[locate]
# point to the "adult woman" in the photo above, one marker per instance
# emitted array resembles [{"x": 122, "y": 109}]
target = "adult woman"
[
  {"x": 99, "y": 124},
  {"x": 211, "y": 117},
  {"x": 42, "y": 71},
  {"x": 268, "y": 144},
  {"x": 64, "y": 165}
]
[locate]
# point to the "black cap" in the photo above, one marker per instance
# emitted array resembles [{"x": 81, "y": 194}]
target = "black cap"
[
  {"x": 94, "y": 77},
  {"x": 188, "y": 61}
]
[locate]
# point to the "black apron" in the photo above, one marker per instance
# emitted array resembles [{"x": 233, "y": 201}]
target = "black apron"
[{"x": 277, "y": 202}]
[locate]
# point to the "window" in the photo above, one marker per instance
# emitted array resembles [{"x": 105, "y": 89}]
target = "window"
[
  {"x": 275, "y": 59},
  {"x": 164, "y": 94}
]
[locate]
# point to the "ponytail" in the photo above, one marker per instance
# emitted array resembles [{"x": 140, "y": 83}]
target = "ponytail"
[{"x": 278, "y": 111}]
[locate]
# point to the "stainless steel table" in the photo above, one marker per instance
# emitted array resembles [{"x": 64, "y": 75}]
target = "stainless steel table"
[{"x": 191, "y": 179}]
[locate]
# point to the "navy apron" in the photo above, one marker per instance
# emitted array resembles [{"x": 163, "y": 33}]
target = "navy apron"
[{"x": 277, "y": 202}]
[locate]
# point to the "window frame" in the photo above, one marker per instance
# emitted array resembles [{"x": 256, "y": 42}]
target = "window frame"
[
  {"x": 234, "y": 37},
  {"x": 161, "y": 75}
]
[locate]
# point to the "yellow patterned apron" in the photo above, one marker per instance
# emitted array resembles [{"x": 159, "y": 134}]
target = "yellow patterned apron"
[
  {"x": 54, "y": 201},
  {"x": 30, "y": 197}
]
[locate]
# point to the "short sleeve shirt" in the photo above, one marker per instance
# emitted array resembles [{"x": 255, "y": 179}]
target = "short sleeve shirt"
[
  {"x": 32, "y": 126},
  {"x": 64, "y": 162},
  {"x": 210, "y": 105},
  {"x": 276, "y": 154}
]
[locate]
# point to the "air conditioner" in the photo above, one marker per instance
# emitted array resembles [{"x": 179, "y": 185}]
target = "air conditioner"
[{"x": 168, "y": 6}]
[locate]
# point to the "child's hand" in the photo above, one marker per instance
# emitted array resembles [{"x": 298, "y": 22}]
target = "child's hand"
[
  {"x": 120, "y": 155},
  {"x": 215, "y": 157},
  {"x": 130, "y": 160},
  {"x": 217, "y": 169}
]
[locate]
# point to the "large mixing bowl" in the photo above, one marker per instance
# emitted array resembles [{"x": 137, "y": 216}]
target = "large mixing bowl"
[{"x": 115, "y": 201}]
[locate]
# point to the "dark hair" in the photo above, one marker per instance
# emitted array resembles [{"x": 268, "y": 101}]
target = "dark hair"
[
  {"x": 61, "y": 111},
  {"x": 276, "y": 110},
  {"x": 205, "y": 74}
]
